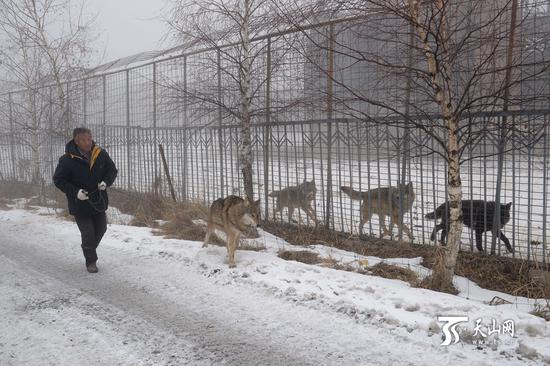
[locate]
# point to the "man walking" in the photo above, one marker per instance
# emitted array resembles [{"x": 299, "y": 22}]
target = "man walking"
[{"x": 83, "y": 173}]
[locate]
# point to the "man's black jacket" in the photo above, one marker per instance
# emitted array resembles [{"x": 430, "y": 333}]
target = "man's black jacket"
[{"x": 75, "y": 172}]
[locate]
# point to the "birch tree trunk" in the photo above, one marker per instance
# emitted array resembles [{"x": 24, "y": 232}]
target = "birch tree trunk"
[
  {"x": 440, "y": 73},
  {"x": 245, "y": 151}
]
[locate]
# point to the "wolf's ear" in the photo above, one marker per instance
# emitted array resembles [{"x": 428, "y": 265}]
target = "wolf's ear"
[
  {"x": 257, "y": 203},
  {"x": 410, "y": 184},
  {"x": 509, "y": 205}
]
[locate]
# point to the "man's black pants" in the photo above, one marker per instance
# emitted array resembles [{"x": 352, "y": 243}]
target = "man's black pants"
[{"x": 91, "y": 229}]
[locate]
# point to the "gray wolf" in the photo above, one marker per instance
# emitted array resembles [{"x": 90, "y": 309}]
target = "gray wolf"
[
  {"x": 232, "y": 215},
  {"x": 300, "y": 196},
  {"x": 384, "y": 202},
  {"x": 477, "y": 215}
]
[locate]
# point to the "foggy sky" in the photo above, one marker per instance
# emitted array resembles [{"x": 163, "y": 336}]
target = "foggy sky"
[{"x": 127, "y": 27}]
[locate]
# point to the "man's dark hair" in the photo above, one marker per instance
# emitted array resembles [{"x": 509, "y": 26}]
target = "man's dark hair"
[{"x": 81, "y": 130}]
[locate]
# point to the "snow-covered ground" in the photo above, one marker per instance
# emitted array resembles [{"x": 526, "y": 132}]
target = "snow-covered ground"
[{"x": 162, "y": 301}]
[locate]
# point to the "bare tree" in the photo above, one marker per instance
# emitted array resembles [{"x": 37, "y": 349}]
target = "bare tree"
[
  {"x": 235, "y": 71},
  {"x": 45, "y": 44},
  {"x": 446, "y": 61}
]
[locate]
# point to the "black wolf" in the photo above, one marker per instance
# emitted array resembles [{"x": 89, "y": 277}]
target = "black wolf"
[{"x": 477, "y": 215}]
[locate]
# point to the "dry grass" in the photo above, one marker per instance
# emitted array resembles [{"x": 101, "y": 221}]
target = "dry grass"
[
  {"x": 253, "y": 246},
  {"x": 303, "y": 256},
  {"x": 37, "y": 195},
  {"x": 11, "y": 190},
  {"x": 4, "y": 204},
  {"x": 508, "y": 275},
  {"x": 394, "y": 272},
  {"x": 381, "y": 269},
  {"x": 437, "y": 281},
  {"x": 542, "y": 310}
]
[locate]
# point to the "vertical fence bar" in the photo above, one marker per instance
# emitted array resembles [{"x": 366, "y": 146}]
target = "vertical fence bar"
[
  {"x": 185, "y": 140},
  {"x": 545, "y": 190},
  {"x": 220, "y": 142},
  {"x": 84, "y": 104},
  {"x": 68, "y": 114},
  {"x": 529, "y": 196},
  {"x": 104, "y": 107},
  {"x": 155, "y": 124},
  {"x": 330, "y": 77},
  {"x": 50, "y": 131},
  {"x": 128, "y": 136},
  {"x": 514, "y": 205},
  {"x": 267, "y": 128},
  {"x": 359, "y": 170},
  {"x": 12, "y": 137}
]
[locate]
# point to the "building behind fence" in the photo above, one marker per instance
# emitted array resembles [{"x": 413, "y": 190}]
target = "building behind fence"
[{"x": 297, "y": 134}]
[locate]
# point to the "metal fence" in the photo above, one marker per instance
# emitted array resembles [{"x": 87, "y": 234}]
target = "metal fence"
[{"x": 296, "y": 136}]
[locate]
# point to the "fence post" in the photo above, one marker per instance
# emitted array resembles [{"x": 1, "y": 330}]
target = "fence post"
[
  {"x": 128, "y": 153},
  {"x": 406, "y": 138},
  {"x": 220, "y": 144},
  {"x": 545, "y": 191},
  {"x": 502, "y": 127},
  {"x": 104, "y": 108},
  {"x": 330, "y": 75},
  {"x": 68, "y": 133},
  {"x": 84, "y": 106},
  {"x": 12, "y": 137},
  {"x": 185, "y": 141},
  {"x": 50, "y": 133},
  {"x": 267, "y": 129},
  {"x": 155, "y": 163}
]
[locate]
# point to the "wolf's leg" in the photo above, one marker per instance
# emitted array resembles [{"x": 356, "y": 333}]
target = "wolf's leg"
[
  {"x": 232, "y": 241},
  {"x": 279, "y": 209},
  {"x": 433, "y": 237},
  {"x": 506, "y": 242},
  {"x": 209, "y": 229},
  {"x": 397, "y": 221},
  {"x": 393, "y": 221},
  {"x": 406, "y": 230},
  {"x": 290, "y": 213},
  {"x": 479, "y": 240},
  {"x": 366, "y": 217},
  {"x": 309, "y": 212},
  {"x": 443, "y": 235},
  {"x": 383, "y": 225}
]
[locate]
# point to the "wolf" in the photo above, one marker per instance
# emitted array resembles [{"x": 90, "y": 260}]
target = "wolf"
[
  {"x": 300, "y": 196},
  {"x": 384, "y": 202},
  {"x": 232, "y": 215},
  {"x": 477, "y": 215}
]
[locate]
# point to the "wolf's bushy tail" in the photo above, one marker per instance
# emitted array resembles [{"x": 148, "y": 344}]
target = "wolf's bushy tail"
[{"x": 353, "y": 194}]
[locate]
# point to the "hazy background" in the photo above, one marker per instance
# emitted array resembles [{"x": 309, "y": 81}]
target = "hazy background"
[{"x": 126, "y": 27}]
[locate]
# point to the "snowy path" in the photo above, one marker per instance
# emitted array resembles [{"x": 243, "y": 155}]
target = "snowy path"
[
  {"x": 148, "y": 308},
  {"x": 150, "y": 311}
]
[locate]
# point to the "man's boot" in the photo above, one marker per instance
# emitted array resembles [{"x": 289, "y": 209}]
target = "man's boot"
[{"x": 92, "y": 268}]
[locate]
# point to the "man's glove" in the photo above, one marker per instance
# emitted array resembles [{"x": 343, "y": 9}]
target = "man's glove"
[
  {"x": 82, "y": 195},
  {"x": 102, "y": 186}
]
